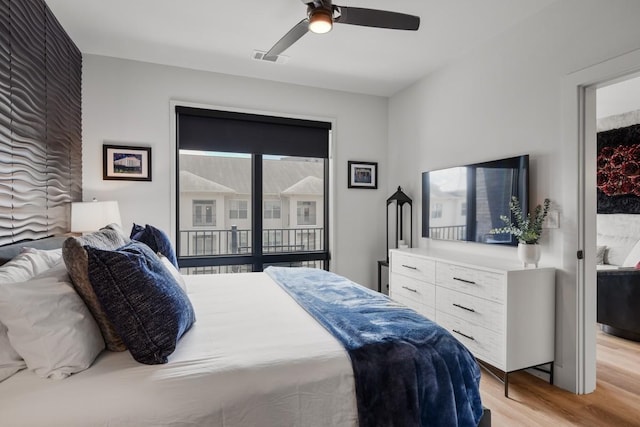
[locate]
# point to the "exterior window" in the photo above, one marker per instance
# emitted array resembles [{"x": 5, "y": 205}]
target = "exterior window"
[
  {"x": 238, "y": 180},
  {"x": 272, "y": 209},
  {"x": 463, "y": 209},
  {"x": 436, "y": 212},
  {"x": 204, "y": 213},
  {"x": 238, "y": 209},
  {"x": 306, "y": 213}
]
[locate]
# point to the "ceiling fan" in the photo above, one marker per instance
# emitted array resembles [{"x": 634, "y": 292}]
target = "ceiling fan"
[{"x": 322, "y": 14}]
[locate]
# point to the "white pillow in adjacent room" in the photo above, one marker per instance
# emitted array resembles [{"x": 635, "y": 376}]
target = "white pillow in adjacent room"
[
  {"x": 49, "y": 325},
  {"x": 634, "y": 256}
]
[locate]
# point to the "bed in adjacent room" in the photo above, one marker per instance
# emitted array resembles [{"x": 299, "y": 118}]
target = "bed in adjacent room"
[{"x": 255, "y": 357}]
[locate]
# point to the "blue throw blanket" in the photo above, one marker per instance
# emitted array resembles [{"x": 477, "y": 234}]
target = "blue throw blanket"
[{"x": 408, "y": 371}]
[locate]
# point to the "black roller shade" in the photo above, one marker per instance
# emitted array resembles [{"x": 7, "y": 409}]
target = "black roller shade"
[{"x": 214, "y": 130}]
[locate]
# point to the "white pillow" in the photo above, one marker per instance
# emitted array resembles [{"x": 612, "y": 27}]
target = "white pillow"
[
  {"x": 618, "y": 247},
  {"x": 174, "y": 271},
  {"x": 27, "y": 264},
  {"x": 634, "y": 256},
  {"x": 49, "y": 325},
  {"x": 10, "y": 360},
  {"x": 23, "y": 267}
]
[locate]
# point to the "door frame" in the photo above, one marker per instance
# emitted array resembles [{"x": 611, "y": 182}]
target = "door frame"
[{"x": 579, "y": 136}]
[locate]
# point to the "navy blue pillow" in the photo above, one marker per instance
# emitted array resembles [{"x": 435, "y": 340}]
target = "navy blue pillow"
[
  {"x": 156, "y": 239},
  {"x": 142, "y": 299}
]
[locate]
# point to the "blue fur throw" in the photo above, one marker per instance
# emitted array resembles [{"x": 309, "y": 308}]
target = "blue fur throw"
[{"x": 408, "y": 371}]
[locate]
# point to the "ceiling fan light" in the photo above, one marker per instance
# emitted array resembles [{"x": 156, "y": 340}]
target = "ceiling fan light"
[{"x": 320, "y": 21}]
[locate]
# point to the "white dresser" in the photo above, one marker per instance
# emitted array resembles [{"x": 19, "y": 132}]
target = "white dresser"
[{"x": 504, "y": 314}]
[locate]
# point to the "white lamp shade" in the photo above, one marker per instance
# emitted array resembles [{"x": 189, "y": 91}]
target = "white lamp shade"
[{"x": 92, "y": 216}]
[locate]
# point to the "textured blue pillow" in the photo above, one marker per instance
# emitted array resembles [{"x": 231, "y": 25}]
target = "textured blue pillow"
[
  {"x": 142, "y": 299},
  {"x": 156, "y": 239}
]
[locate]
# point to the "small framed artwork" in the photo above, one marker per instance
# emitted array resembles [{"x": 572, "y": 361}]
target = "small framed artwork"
[
  {"x": 126, "y": 163},
  {"x": 363, "y": 174}
]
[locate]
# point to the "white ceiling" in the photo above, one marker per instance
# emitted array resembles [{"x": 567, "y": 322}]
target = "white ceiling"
[{"x": 221, "y": 36}]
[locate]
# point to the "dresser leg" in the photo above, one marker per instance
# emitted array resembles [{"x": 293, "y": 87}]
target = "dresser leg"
[{"x": 506, "y": 384}]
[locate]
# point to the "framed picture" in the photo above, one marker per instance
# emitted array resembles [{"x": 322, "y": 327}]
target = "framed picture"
[
  {"x": 363, "y": 174},
  {"x": 126, "y": 163}
]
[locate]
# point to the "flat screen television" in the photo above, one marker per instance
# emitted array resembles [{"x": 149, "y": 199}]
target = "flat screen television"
[{"x": 466, "y": 202}]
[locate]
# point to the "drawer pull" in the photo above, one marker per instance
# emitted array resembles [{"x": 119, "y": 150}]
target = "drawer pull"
[
  {"x": 464, "y": 281},
  {"x": 409, "y": 289},
  {"x": 464, "y": 308},
  {"x": 464, "y": 335},
  {"x": 410, "y": 266}
]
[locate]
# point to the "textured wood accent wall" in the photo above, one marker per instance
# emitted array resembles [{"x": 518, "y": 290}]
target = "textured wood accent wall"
[{"x": 40, "y": 122}]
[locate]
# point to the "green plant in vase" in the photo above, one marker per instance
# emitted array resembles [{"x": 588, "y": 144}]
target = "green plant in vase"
[{"x": 527, "y": 229}]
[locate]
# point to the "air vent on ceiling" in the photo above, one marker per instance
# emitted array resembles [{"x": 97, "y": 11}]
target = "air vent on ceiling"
[{"x": 259, "y": 55}]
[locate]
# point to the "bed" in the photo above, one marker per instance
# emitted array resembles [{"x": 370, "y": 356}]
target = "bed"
[{"x": 254, "y": 357}]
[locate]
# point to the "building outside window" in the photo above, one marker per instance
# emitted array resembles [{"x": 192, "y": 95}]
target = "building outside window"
[
  {"x": 204, "y": 213},
  {"x": 436, "y": 212},
  {"x": 238, "y": 209},
  {"x": 463, "y": 209},
  {"x": 272, "y": 209},
  {"x": 306, "y": 213}
]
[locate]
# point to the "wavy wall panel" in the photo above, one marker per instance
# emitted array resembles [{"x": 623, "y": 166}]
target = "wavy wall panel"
[{"x": 40, "y": 122}]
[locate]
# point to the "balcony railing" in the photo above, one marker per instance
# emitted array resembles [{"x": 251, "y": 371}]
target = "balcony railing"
[
  {"x": 450, "y": 232},
  {"x": 238, "y": 241}
]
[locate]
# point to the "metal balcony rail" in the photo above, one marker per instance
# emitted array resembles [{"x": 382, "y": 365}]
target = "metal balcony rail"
[
  {"x": 451, "y": 232},
  {"x": 238, "y": 241}
]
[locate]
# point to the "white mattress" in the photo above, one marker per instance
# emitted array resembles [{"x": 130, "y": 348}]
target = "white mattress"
[{"x": 253, "y": 358}]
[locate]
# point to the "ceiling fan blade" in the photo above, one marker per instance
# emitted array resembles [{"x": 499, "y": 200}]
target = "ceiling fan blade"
[
  {"x": 294, "y": 34},
  {"x": 317, "y": 3},
  {"x": 376, "y": 18}
]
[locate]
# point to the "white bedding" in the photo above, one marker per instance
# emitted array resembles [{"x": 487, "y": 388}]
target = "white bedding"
[{"x": 253, "y": 358}]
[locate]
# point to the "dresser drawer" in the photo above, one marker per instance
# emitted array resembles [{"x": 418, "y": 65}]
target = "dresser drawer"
[
  {"x": 416, "y": 267},
  {"x": 472, "y": 309},
  {"x": 484, "y": 284},
  {"x": 417, "y": 290},
  {"x": 425, "y": 310},
  {"x": 484, "y": 344}
]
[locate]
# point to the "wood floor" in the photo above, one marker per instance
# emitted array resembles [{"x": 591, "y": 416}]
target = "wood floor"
[{"x": 533, "y": 402}]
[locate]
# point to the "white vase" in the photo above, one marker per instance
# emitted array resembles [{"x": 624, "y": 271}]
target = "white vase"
[{"x": 529, "y": 253}]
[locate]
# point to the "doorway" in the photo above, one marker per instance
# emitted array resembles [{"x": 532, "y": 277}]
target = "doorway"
[
  {"x": 617, "y": 114},
  {"x": 580, "y": 129}
]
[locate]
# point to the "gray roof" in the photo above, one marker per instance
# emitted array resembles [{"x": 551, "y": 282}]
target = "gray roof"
[
  {"x": 310, "y": 185},
  {"x": 191, "y": 183},
  {"x": 235, "y": 172}
]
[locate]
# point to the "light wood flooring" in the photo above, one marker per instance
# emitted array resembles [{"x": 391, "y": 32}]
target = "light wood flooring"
[{"x": 533, "y": 402}]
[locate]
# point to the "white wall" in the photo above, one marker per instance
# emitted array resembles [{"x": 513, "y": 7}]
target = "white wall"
[
  {"x": 618, "y": 98},
  {"x": 506, "y": 99},
  {"x": 127, "y": 102}
]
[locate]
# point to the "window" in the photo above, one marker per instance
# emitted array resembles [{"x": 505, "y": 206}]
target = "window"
[
  {"x": 204, "y": 213},
  {"x": 238, "y": 209},
  {"x": 257, "y": 167},
  {"x": 306, "y": 213},
  {"x": 436, "y": 212},
  {"x": 463, "y": 209},
  {"x": 272, "y": 209}
]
